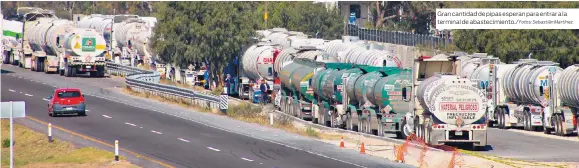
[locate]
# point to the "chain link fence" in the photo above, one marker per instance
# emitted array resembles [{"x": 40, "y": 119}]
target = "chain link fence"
[{"x": 397, "y": 37}]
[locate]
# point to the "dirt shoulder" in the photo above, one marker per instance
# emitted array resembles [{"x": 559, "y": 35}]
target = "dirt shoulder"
[{"x": 32, "y": 150}]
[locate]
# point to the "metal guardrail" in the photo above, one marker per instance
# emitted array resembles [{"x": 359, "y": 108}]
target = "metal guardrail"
[{"x": 149, "y": 80}]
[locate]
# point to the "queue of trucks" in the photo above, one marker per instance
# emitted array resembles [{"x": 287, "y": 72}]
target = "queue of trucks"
[
  {"x": 349, "y": 85},
  {"x": 529, "y": 94},
  {"x": 442, "y": 98},
  {"x": 53, "y": 45}
]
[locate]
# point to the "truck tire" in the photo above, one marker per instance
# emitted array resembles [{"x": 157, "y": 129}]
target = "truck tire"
[
  {"x": 526, "y": 121},
  {"x": 402, "y": 134},
  {"x": 557, "y": 125},
  {"x": 501, "y": 118},
  {"x": 60, "y": 72}
]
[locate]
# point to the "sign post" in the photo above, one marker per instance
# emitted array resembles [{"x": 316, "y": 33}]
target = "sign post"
[{"x": 12, "y": 110}]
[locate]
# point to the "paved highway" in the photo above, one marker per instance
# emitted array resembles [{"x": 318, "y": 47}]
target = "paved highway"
[
  {"x": 170, "y": 139},
  {"x": 503, "y": 143}
]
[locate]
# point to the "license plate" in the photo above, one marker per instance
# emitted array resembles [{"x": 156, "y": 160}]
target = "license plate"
[
  {"x": 88, "y": 66},
  {"x": 69, "y": 108},
  {"x": 459, "y": 133},
  {"x": 389, "y": 120}
]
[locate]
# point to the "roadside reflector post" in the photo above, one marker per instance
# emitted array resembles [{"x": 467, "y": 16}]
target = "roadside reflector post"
[
  {"x": 271, "y": 118},
  {"x": 117, "y": 150},
  {"x": 49, "y": 132}
]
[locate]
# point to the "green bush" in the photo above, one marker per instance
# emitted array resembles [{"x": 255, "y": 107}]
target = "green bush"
[
  {"x": 311, "y": 132},
  {"x": 5, "y": 143}
]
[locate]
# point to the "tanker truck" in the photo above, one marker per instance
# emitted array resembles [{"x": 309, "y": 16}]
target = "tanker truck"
[
  {"x": 30, "y": 16},
  {"x": 12, "y": 41},
  {"x": 345, "y": 92},
  {"x": 519, "y": 95},
  {"x": 43, "y": 37},
  {"x": 257, "y": 64},
  {"x": 83, "y": 52},
  {"x": 445, "y": 107},
  {"x": 297, "y": 94},
  {"x": 562, "y": 113},
  {"x": 131, "y": 39}
]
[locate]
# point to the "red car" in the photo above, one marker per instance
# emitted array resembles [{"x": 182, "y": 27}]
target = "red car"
[{"x": 66, "y": 101}]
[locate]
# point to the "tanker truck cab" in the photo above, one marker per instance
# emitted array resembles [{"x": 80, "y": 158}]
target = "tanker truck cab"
[{"x": 447, "y": 109}]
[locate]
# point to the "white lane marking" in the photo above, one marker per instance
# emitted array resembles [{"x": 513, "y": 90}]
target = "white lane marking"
[
  {"x": 213, "y": 149},
  {"x": 130, "y": 124},
  {"x": 141, "y": 127},
  {"x": 246, "y": 159},
  {"x": 184, "y": 140},
  {"x": 156, "y": 132},
  {"x": 28, "y": 94},
  {"x": 45, "y": 99},
  {"x": 227, "y": 130},
  {"x": 44, "y": 83},
  {"x": 87, "y": 110},
  {"x": 107, "y": 116},
  {"x": 20, "y": 92},
  {"x": 11, "y": 90},
  {"x": 54, "y": 86}
]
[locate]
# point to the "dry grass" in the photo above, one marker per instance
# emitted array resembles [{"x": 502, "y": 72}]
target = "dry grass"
[
  {"x": 246, "y": 112},
  {"x": 32, "y": 150}
]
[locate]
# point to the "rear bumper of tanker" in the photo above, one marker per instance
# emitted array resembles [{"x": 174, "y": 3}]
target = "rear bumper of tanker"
[{"x": 477, "y": 137}]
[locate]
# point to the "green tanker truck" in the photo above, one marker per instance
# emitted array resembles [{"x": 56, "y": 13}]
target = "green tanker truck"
[{"x": 362, "y": 98}]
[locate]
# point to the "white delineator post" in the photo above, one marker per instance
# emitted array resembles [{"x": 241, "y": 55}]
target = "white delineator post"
[
  {"x": 116, "y": 150},
  {"x": 271, "y": 118},
  {"x": 49, "y": 132},
  {"x": 11, "y": 132}
]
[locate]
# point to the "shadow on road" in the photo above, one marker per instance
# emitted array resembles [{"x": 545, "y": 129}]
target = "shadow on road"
[{"x": 6, "y": 71}]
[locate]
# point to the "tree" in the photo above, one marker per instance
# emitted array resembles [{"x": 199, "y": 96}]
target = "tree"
[{"x": 209, "y": 32}]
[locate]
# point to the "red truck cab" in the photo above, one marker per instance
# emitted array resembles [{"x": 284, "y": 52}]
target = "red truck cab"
[{"x": 66, "y": 101}]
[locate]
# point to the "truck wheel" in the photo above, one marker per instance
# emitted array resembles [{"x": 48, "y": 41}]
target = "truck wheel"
[
  {"x": 526, "y": 123},
  {"x": 557, "y": 127},
  {"x": 40, "y": 66},
  {"x": 501, "y": 119},
  {"x": 82, "y": 114},
  {"x": 402, "y": 133}
]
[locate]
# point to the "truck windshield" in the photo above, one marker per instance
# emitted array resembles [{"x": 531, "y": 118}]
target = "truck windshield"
[{"x": 68, "y": 94}]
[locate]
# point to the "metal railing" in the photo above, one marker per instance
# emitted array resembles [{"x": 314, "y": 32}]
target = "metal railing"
[
  {"x": 149, "y": 80},
  {"x": 400, "y": 38}
]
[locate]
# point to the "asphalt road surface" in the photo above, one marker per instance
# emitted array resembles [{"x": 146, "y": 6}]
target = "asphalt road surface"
[
  {"x": 502, "y": 142},
  {"x": 169, "y": 139}
]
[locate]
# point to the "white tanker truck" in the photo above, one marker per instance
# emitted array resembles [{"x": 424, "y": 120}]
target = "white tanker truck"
[
  {"x": 447, "y": 108},
  {"x": 30, "y": 16},
  {"x": 60, "y": 47},
  {"x": 12, "y": 41},
  {"x": 564, "y": 107},
  {"x": 128, "y": 35}
]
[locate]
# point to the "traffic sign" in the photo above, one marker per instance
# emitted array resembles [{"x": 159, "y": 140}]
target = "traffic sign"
[
  {"x": 18, "y": 109},
  {"x": 552, "y": 69}
]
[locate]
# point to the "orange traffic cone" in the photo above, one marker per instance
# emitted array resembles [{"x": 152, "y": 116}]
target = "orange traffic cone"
[
  {"x": 342, "y": 143},
  {"x": 362, "y": 149}
]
